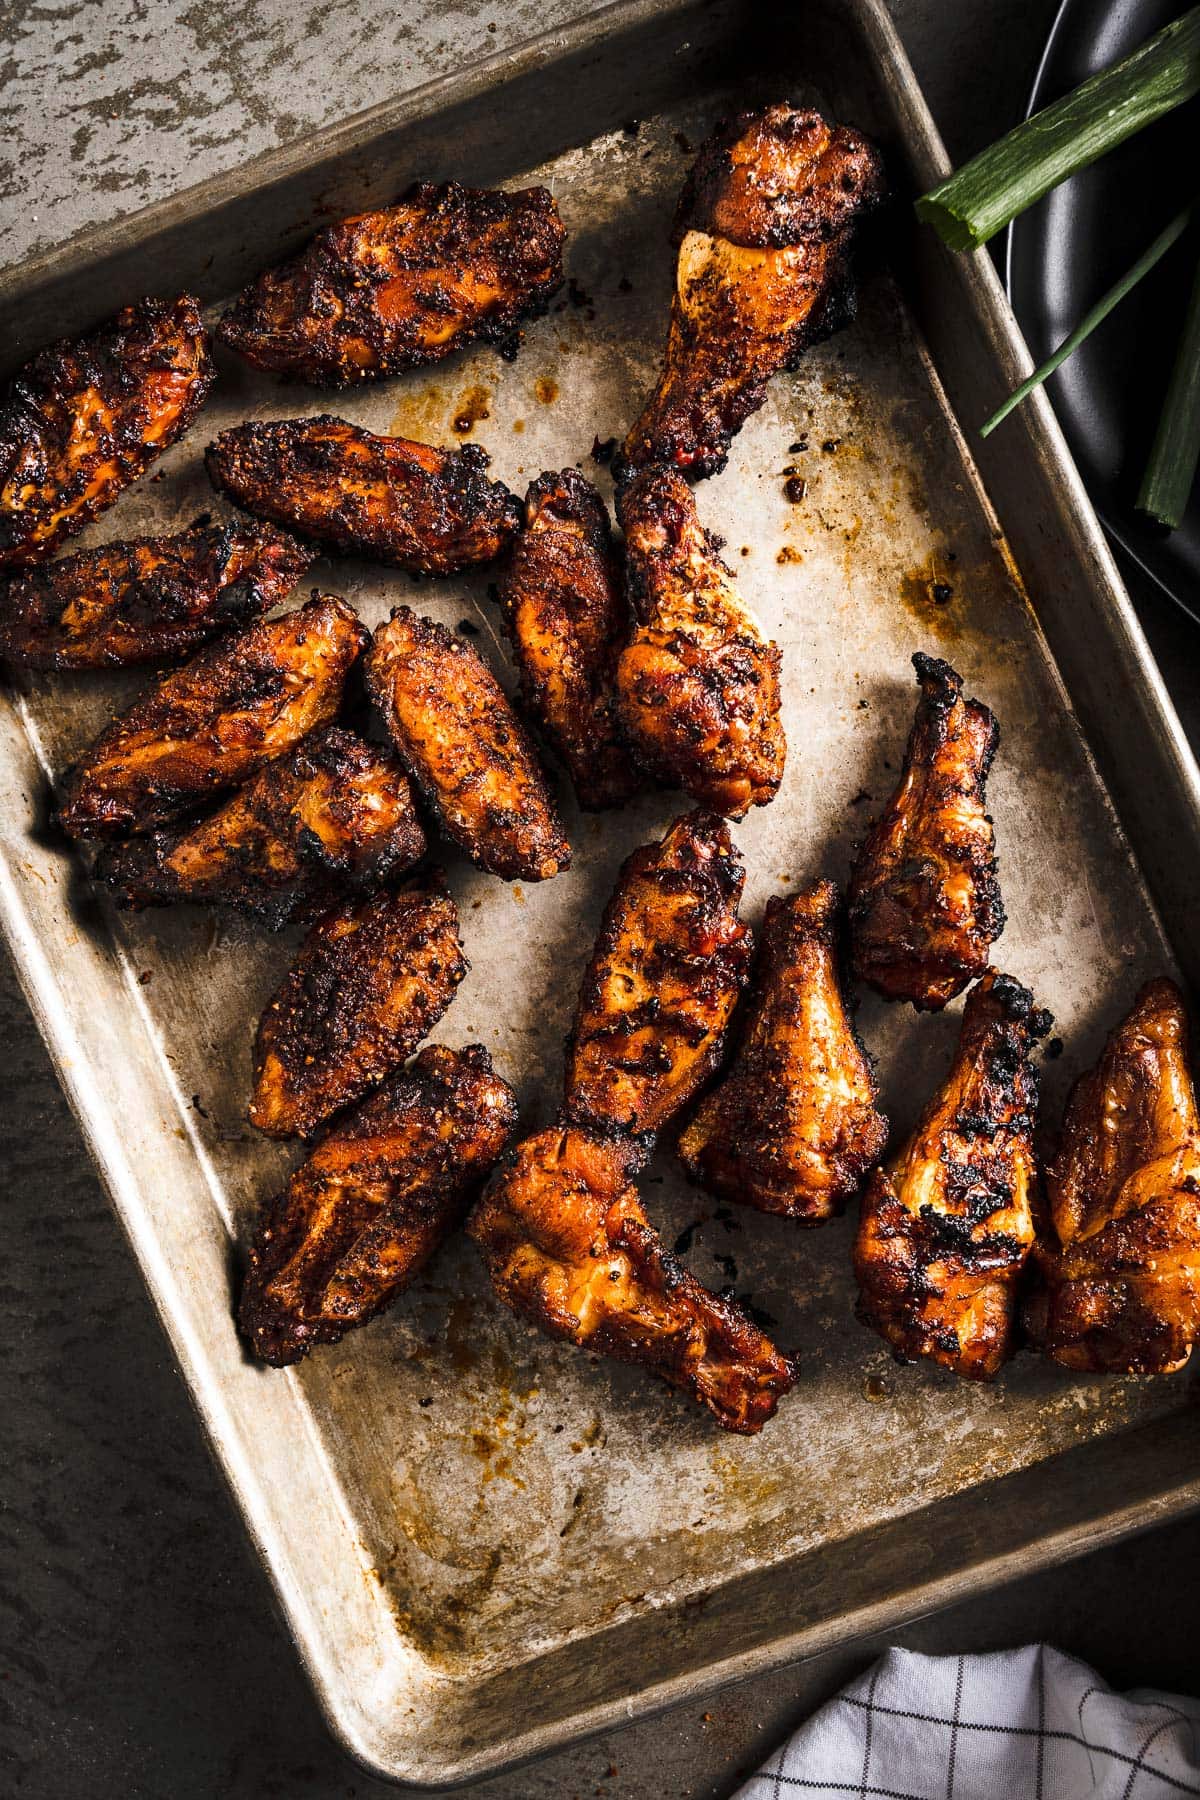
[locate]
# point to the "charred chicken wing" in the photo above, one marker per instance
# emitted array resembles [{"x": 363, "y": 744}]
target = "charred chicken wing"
[
  {"x": 86, "y": 417},
  {"x": 372, "y": 979},
  {"x": 214, "y": 723},
  {"x": 669, "y": 964},
  {"x": 146, "y": 600},
  {"x": 793, "y": 1127},
  {"x": 763, "y": 234},
  {"x": 566, "y": 616},
  {"x": 925, "y": 903},
  {"x": 944, "y": 1235},
  {"x": 567, "y": 1245},
  {"x": 385, "y": 498},
  {"x": 465, "y": 748},
  {"x": 698, "y": 684},
  {"x": 408, "y": 285},
  {"x": 373, "y": 1201},
  {"x": 335, "y": 813},
  {"x": 1119, "y": 1265}
]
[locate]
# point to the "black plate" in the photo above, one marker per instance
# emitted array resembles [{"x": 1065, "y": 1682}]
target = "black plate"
[{"x": 1066, "y": 251}]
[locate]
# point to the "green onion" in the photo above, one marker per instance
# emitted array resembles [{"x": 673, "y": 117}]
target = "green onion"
[
  {"x": 1090, "y": 320},
  {"x": 1171, "y": 470},
  {"x": 975, "y": 202}
]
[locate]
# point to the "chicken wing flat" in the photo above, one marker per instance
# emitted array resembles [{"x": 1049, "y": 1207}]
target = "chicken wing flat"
[
  {"x": 793, "y": 1127},
  {"x": 944, "y": 1235},
  {"x": 567, "y": 1246},
  {"x": 214, "y": 723},
  {"x": 148, "y": 599},
  {"x": 87, "y": 416},
  {"x": 335, "y": 813},
  {"x": 1119, "y": 1265},
  {"x": 567, "y": 619},
  {"x": 763, "y": 234},
  {"x": 385, "y": 498},
  {"x": 464, "y": 746},
  {"x": 660, "y": 990},
  {"x": 363, "y": 1215},
  {"x": 402, "y": 287},
  {"x": 372, "y": 979},
  {"x": 925, "y": 905},
  {"x": 697, "y": 684}
]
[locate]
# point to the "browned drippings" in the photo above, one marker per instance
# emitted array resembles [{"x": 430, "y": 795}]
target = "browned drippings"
[
  {"x": 474, "y": 406},
  {"x": 545, "y": 389},
  {"x": 928, "y": 594}
]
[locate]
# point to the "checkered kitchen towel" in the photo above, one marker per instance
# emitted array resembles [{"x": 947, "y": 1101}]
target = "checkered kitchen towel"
[{"x": 1026, "y": 1724}]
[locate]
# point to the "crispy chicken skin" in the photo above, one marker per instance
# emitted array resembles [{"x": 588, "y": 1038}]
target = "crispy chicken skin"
[
  {"x": 567, "y": 1246},
  {"x": 385, "y": 498},
  {"x": 87, "y": 416},
  {"x": 1118, "y": 1264},
  {"x": 664, "y": 978},
  {"x": 925, "y": 905},
  {"x": 335, "y": 813},
  {"x": 363, "y": 1215},
  {"x": 372, "y": 978},
  {"x": 402, "y": 287},
  {"x": 763, "y": 234},
  {"x": 793, "y": 1127},
  {"x": 464, "y": 746},
  {"x": 697, "y": 684},
  {"x": 214, "y": 723},
  {"x": 147, "y": 599},
  {"x": 566, "y": 616},
  {"x": 944, "y": 1234}
]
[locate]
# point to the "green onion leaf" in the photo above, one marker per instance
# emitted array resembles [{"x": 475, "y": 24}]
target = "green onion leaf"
[{"x": 1171, "y": 470}]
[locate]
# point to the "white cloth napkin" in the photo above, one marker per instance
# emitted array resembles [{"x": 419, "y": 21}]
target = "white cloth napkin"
[{"x": 1028, "y": 1724}]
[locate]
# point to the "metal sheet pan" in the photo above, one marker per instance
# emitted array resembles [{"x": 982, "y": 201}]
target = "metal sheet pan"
[{"x": 483, "y": 1543}]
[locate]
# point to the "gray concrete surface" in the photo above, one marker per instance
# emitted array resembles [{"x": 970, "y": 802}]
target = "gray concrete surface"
[{"x": 141, "y": 1656}]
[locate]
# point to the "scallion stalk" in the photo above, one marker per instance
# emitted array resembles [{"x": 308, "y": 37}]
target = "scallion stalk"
[{"x": 1171, "y": 470}]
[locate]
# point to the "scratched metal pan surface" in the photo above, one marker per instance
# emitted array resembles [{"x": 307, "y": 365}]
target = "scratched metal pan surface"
[{"x": 484, "y": 1543}]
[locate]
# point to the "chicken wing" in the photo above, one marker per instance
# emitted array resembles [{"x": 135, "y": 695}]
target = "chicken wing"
[
  {"x": 566, "y": 617},
  {"x": 335, "y": 813},
  {"x": 402, "y": 287},
  {"x": 87, "y": 416},
  {"x": 763, "y": 231},
  {"x": 372, "y": 979},
  {"x": 793, "y": 1127},
  {"x": 465, "y": 748},
  {"x": 1119, "y": 1263},
  {"x": 944, "y": 1235},
  {"x": 147, "y": 599},
  {"x": 697, "y": 684},
  {"x": 214, "y": 723},
  {"x": 363, "y": 1215},
  {"x": 384, "y": 498},
  {"x": 661, "y": 987},
  {"x": 567, "y": 1245},
  {"x": 925, "y": 905}
]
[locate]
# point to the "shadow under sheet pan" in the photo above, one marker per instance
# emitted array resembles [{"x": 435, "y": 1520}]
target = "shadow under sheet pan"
[{"x": 484, "y": 1543}]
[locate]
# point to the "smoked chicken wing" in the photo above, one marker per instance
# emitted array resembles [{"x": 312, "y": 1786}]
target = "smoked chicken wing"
[
  {"x": 460, "y": 740},
  {"x": 925, "y": 905},
  {"x": 404, "y": 286},
  {"x": 944, "y": 1234},
  {"x": 146, "y": 599},
  {"x": 1119, "y": 1263},
  {"x": 367, "y": 1209},
  {"x": 385, "y": 498},
  {"x": 664, "y": 978},
  {"x": 793, "y": 1127},
  {"x": 763, "y": 233},
  {"x": 87, "y": 416},
  {"x": 697, "y": 684},
  {"x": 335, "y": 813},
  {"x": 567, "y": 1245},
  {"x": 566, "y": 616},
  {"x": 214, "y": 723},
  {"x": 372, "y": 978}
]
